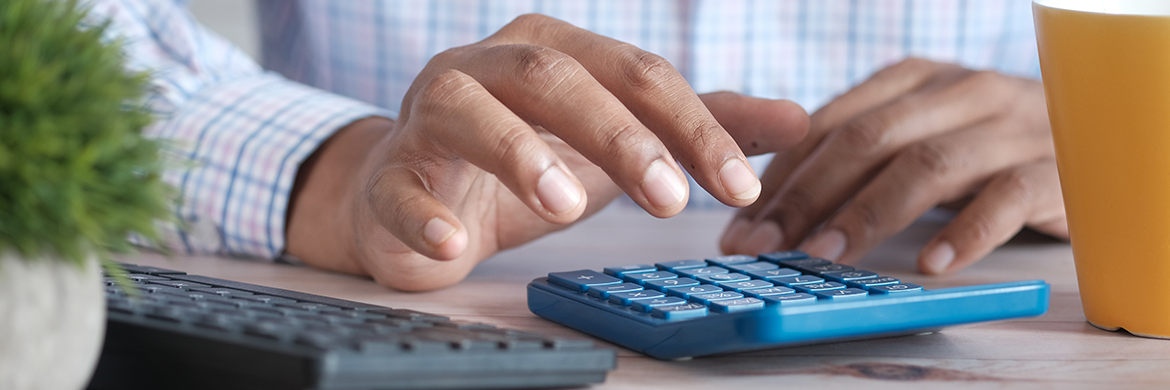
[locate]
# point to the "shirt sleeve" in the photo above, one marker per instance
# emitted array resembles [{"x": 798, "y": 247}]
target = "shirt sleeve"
[{"x": 234, "y": 135}]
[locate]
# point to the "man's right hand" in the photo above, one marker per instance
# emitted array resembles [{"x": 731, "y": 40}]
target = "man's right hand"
[{"x": 516, "y": 136}]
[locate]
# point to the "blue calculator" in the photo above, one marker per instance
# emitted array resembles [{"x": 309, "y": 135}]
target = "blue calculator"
[{"x": 687, "y": 308}]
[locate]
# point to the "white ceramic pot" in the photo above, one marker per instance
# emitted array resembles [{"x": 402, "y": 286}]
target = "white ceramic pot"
[{"x": 52, "y": 323}]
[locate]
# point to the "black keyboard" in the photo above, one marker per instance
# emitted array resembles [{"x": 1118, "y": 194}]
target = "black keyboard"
[{"x": 187, "y": 331}]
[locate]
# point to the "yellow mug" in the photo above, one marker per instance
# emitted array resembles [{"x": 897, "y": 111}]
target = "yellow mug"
[{"x": 1106, "y": 68}]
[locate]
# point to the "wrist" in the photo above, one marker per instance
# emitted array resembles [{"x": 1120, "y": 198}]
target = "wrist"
[{"x": 319, "y": 230}]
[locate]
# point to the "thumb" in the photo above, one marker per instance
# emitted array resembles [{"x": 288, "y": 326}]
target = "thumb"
[{"x": 758, "y": 125}]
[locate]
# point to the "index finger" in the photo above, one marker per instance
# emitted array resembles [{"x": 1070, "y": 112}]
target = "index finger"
[{"x": 650, "y": 87}]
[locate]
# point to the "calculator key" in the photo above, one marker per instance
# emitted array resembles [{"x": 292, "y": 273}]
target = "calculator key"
[
  {"x": 681, "y": 264},
  {"x": 753, "y": 266},
  {"x": 849, "y": 276},
  {"x": 774, "y": 273},
  {"x": 777, "y": 257},
  {"x": 628, "y": 298},
  {"x": 732, "y": 259},
  {"x": 790, "y": 299},
  {"x": 736, "y": 305},
  {"x": 662, "y": 285},
  {"x": 706, "y": 299},
  {"x": 581, "y": 280},
  {"x": 746, "y": 285},
  {"x": 878, "y": 281},
  {"x": 798, "y": 280},
  {"x": 686, "y": 292},
  {"x": 763, "y": 292},
  {"x": 896, "y": 288},
  {"x": 697, "y": 272},
  {"x": 620, "y": 271},
  {"x": 644, "y": 277},
  {"x": 723, "y": 278},
  {"x": 679, "y": 312},
  {"x": 648, "y": 305},
  {"x": 843, "y": 294},
  {"x": 804, "y": 263},
  {"x": 815, "y": 287},
  {"x": 604, "y": 291},
  {"x": 821, "y": 269}
]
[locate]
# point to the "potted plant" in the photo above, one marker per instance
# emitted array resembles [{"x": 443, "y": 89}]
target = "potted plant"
[{"x": 76, "y": 179}]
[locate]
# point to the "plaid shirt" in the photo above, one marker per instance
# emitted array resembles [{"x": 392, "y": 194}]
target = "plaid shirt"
[{"x": 240, "y": 132}]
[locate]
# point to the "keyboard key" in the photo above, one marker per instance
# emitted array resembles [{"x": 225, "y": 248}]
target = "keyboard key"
[
  {"x": 221, "y": 291},
  {"x": 815, "y": 287},
  {"x": 697, "y": 272},
  {"x": 790, "y": 299},
  {"x": 581, "y": 280},
  {"x": 736, "y": 305},
  {"x": 706, "y": 299},
  {"x": 263, "y": 299},
  {"x": 648, "y": 305},
  {"x": 620, "y": 271},
  {"x": 843, "y": 294},
  {"x": 628, "y": 298},
  {"x": 798, "y": 280},
  {"x": 686, "y": 292},
  {"x": 802, "y": 264},
  {"x": 753, "y": 266},
  {"x": 896, "y": 288},
  {"x": 774, "y": 273},
  {"x": 681, "y": 264},
  {"x": 777, "y": 257},
  {"x": 821, "y": 269},
  {"x": 723, "y": 278},
  {"x": 604, "y": 291},
  {"x": 662, "y": 285},
  {"x": 644, "y": 277},
  {"x": 178, "y": 283},
  {"x": 763, "y": 292},
  {"x": 679, "y": 312},
  {"x": 746, "y": 285},
  {"x": 849, "y": 276},
  {"x": 878, "y": 281},
  {"x": 732, "y": 259}
]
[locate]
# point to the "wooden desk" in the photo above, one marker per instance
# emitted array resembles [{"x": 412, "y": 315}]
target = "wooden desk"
[{"x": 1057, "y": 350}]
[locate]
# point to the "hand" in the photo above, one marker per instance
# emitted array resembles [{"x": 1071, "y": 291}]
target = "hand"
[
  {"x": 914, "y": 136},
  {"x": 505, "y": 140}
]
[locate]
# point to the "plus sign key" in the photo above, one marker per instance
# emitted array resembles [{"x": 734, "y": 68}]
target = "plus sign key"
[{"x": 581, "y": 280}]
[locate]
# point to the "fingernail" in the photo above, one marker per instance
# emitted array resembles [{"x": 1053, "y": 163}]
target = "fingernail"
[
  {"x": 662, "y": 185},
  {"x": 766, "y": 237},
  {"x": 437, "y": 231},
  {"x": 738, "y": 180},
  {"x": 557, "y": 193},
  {"x": 736, "y": 231},
  {"x": 939, "y": 258},
  {"x": 829, "y": 245}
]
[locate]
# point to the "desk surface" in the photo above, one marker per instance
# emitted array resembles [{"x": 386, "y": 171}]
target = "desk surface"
[{"x": 1057, "y": 350}]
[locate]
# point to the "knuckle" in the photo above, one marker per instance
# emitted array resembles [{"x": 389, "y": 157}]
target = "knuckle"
[
  {"x": 624, "y": 140},
  {"x": 935, "y": 160},
  {"x": 867, "y": 217},
  {"x": 645, "y": 70},
  {"x": 1017, "y": 184},
  {"x": 867, "y": 134},
  {"x": 438, "y": 94},
  {"x": 513, "y": 147},
  {"x": 541, "y": 67},
  {"x": 795, "y": 208},
  {"x": 981, "y": 228}
]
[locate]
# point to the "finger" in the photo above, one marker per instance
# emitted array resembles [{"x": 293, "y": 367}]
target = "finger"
[
  {"x": 746, "y": 233},
  {"x": 552, "y": 90},
  {"x": 660, "y": 98},
  {"x": 857, "y": 150},
  {"x": 462, "y": 118},
  {"x": 402, "y": 205},
  {"x": 1027, "y": 194},
  {"x": 758, "y": 125},
  {"x": 922, "y": 176}
]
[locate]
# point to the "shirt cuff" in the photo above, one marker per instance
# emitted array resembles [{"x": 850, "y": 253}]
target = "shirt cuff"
[{"x": 234, "y": 149}]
